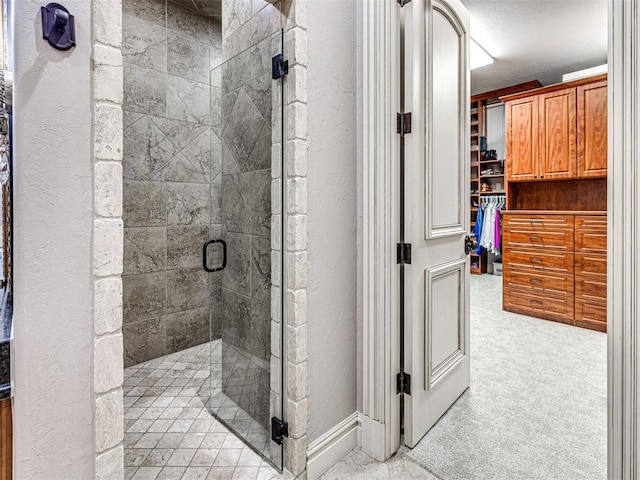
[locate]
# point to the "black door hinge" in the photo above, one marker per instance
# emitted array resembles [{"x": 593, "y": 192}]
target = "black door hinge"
[
  {"x": 403, "y": 2},
  {"x": 279, "y": 430},
  {"x": 403, "y": 383},
  {"x": 404, "y": 253},
  {"x": 279, "y": 66},
  {"x": 404, "y": 123}
]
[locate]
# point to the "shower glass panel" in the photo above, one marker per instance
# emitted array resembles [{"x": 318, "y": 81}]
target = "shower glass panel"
[{"x": 246, "y": 338}]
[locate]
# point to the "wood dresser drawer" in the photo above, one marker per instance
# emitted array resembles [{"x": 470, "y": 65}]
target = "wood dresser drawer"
[
  {"x": 538, "y": 222},
  {"x": 536, "y": 303},
  {"x": 561, "y": 262},
  {"x": 555, "y": 266},
  {"x": 594, "y": 241},
  {"x": 591, "y": 287},
  {"x": 591, "y": 264},
  {"x": 522, "y": 237},
  {"x": 591, "y": 314},
  {"x": 591, "y": 222},
  {"x": 538, "y": 281}
]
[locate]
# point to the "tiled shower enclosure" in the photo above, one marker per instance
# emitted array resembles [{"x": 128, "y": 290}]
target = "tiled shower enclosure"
[{"x": 202, "y": 150}]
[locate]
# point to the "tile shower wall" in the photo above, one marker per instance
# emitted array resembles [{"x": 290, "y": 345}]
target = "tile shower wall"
[{"x": 172, "y": 176}]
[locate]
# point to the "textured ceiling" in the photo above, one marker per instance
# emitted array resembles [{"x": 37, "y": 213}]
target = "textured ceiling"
[
  {"x": 536, "y": 39},
  {"x": 208, "y": 8}
]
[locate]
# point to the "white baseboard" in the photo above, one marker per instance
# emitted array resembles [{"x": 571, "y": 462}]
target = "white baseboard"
[{"x": 331, "y": 447}]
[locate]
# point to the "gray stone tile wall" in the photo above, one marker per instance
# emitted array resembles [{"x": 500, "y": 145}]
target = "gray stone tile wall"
[{"x": 171, "y": 169}]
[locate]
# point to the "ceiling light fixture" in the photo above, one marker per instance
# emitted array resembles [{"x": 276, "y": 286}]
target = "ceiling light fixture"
[{"x": 479, "y": 56}]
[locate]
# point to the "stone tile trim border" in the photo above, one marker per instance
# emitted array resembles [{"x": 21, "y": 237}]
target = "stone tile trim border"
[
  {"x": 108, "y": 237},
  {"x": 295, "y": 311}
]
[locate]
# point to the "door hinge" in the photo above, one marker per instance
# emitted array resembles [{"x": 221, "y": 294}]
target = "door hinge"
[
  {"x": 403, "y": 383},
  {"x": 279, "y": 430},
  {"x": 279, "y": 66},
  {"x": 404, "y": 253},
  {"x": 404, "y": 123},
  {"x": 403, "y": 2}
]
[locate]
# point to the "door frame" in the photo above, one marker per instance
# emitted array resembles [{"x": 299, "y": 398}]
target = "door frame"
[
  {"x": 381, "y": 50},
  {"x": 380, "y": 426}
]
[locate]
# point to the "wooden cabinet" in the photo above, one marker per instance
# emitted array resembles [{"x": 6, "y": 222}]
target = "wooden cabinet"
[
  {"x": 557, "y": 132},
  {"x": 6, "y": 440},
  {"x": 541, "y": 136},
  {"x": 522, "y": 132},
  {"x": 591, "y": 272},
  {"x": 592, "y": 130},
  {"x": 538, "y": 265},
  {"x": 555, "y": 267}
]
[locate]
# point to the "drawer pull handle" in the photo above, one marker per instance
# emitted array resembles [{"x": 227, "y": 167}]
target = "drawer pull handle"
[
  {"x": 534, "y": 280},
  {"x": 536, "y": 302},
  {"x": 533, "y": 239},
  {"x": 536, "y": 260},
  {"x": 536, "y": 220}
]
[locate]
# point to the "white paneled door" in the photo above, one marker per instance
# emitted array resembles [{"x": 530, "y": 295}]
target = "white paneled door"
[{"x": 436, "y": 213}]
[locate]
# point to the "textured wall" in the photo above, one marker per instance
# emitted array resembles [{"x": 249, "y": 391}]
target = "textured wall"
[
  {"x": 332, "y": 227},
  {"x": 53, "y": 197},
  {"x": 171, "y": 179}
]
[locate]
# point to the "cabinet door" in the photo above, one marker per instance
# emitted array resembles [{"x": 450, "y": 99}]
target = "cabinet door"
[
  {"x": 557, "y": 128},
  {"x": 522, "y": 144},
  {"x": 592, "y": 130}
]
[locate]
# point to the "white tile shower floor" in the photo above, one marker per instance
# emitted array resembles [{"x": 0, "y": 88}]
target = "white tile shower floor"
[{"x": 169, "y": 432}]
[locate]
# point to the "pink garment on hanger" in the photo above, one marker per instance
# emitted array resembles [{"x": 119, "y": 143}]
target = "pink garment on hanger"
[{"x": 496, "y": 234}]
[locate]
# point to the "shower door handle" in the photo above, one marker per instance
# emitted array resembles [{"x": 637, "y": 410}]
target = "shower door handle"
[{"x": 205, "y": 263}]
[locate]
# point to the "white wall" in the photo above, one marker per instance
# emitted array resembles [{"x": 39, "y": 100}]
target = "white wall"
[
  {"x": 53, "y": 219},
  {"x": 332, "y": 214}
]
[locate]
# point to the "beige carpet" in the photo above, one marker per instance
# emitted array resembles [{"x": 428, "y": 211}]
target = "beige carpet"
[{"x": 537, "y": 405}]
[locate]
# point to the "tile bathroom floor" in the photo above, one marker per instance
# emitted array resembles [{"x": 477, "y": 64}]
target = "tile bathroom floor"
[{"x": 169, "y": 432}]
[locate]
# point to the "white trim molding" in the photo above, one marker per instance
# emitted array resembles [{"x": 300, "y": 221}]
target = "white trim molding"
[
  {"x": 331, "y": 447},
  {"x": 623, "y": 234},
  {"x": 380, "y": 184}
]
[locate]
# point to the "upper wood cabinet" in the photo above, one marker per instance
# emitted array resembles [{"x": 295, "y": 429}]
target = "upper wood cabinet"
[
  {"x": 557, "y": 132},
  {"x": 522, "y": 128},
  {"x": 592, "y": 130}
]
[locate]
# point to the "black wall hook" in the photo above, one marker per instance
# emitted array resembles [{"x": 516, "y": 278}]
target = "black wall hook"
[{"x": 58, "y": 26}]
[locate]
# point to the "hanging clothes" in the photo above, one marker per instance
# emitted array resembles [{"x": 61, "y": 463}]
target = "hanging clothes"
[
  {"x": 497, "y": 232},
  {"x": 488, "y": 227},
  {"x": 477, "y": 229}
]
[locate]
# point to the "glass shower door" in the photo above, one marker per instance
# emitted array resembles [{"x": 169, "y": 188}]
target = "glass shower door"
[{"x": 246, "y": 191}]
